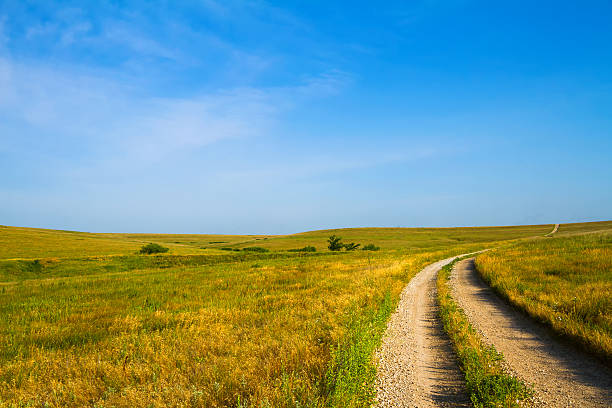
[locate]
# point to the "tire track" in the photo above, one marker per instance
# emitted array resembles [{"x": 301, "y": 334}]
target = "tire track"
[{"x": 416, "y": 363}]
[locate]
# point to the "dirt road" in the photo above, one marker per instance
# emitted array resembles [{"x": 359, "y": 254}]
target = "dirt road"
[
  {"x": 556, "y": 227},
  {"x": 560, "y": 375},
  {"x": 416, "y": 363}
]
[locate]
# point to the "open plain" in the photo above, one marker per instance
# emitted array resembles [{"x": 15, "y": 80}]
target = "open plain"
[{"x": 85, "y": 320}]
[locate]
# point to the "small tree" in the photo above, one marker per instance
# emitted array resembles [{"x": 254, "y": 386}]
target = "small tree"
[
  {"x": 334, "y": 243},
  {"x": 370, "y": 247},
  {"x": 351, "y": 247}
]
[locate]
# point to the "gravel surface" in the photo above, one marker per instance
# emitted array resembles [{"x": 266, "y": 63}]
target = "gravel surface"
[
  {"x": 416, "y": 363},
  {"x": 561, "y": 375}
]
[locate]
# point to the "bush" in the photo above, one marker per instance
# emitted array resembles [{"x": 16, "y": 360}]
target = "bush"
[
  {"x": 256, "y": 249},
  {"x": 153, "y": 249},
  {"x": 305, "y": 249},
  {"x": 351, "y": 247},
  {"x": 229, "y": 249},
  {"x": 335, "y": 243},
  {"x": 370, "y": 247}
]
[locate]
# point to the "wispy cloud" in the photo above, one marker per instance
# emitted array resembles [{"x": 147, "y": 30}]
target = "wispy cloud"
[
  {"x": 327, "y": 83},
  {"x": 307, "y": 167},
  {"x": 113, "y": 115}
]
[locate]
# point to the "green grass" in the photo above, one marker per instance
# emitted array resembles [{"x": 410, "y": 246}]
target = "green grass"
[
  {"x": 487, "y": 383},
  {"x": 564, "y": 282}
]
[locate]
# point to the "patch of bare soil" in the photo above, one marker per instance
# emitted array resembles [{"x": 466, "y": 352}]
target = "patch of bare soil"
[{"x": 561, "y": 375}]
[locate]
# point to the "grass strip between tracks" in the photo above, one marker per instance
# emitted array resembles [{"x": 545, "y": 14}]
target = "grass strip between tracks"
[{"x": 487, "y": 382}]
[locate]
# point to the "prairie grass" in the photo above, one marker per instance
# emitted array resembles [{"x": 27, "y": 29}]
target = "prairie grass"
[
  {"x": 487, "y": 383},
  {"x": 279, "y": 330},
  {"x": 564, "y": 282}
]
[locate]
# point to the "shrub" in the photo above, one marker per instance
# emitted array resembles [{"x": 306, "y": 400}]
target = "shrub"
[
  {"x": 351, "y": 247},
  {"x": 153, "y": 249},
  {"x": 256, "y": 249},
  {"x": 305, "y": 249},
  {"x": 229, "y": 249},
  {"x": 370, "y": 247},
  {"x": 335, "y": 243}
]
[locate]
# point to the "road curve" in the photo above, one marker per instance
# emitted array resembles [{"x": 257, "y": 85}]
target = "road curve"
[
  {"x": 556, "y": 227},
  {"x": 561, "y": 375},
  {"x": 416, "y": 365}
]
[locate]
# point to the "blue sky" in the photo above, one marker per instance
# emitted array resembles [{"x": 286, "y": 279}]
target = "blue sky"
[{"x": 259, "y": 117}]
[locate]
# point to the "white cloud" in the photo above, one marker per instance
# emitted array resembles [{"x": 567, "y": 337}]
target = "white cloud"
[
  {"x": 94, "y": 110},
  {"x": 109, "y": 116},
  {"x": 328, "y": 83},
  {"x": 164, "y": 125}
]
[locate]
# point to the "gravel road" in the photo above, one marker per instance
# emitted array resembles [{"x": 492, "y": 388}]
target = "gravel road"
[
  {"x": 561, "y": 375},
  {"x": 416, "y": 363}
]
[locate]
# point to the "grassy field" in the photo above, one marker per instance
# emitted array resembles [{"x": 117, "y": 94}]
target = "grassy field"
[
  {"x": 565, "y": 282},
  {"x": 85, "y": 321}
]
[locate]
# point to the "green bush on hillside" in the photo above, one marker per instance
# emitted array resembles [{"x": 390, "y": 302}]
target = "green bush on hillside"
[
  {"x": 256, "y": 249},
  {"x": 370, "y": 247},
  {"x": 351, "y": 247},
  {"x": 153, "y": 249}
]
